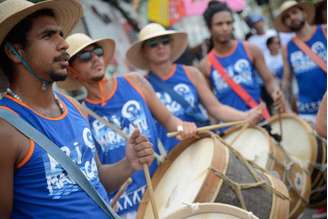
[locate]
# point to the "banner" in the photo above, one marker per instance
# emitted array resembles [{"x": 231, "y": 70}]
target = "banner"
[{"x": 158, "y": 11}]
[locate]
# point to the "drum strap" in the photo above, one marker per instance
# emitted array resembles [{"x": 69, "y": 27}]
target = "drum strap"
[
  {"x": 239, "y": 90},
  {"x": 73, "y": 171}
]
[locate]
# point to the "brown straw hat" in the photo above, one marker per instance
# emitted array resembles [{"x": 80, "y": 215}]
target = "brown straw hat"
[
  {"x": 67, "y": 14},
  {"x": 179, "y": 43},
  {"x": 77, "y": 42},
  {"x": 307, "y": 8}
]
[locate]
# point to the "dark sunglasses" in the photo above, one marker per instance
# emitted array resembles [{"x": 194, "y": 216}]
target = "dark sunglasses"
[
  {"x": 87, "y": 55},
  {"x": 152, "y": 43}
]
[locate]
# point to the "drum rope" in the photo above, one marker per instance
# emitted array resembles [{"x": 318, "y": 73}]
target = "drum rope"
[
  {"x": 249, "y": 167},
  {"x": 285, "y": 178},
  {"x": 238, "y": 187},
  {"x": 237, "y": 154}
]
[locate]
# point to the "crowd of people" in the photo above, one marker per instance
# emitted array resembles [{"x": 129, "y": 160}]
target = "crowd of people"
[{"x": 230, "y": 84}]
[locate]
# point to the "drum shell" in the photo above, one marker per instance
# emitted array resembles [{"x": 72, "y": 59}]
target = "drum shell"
[
  {"x": 316, "y": 153},
  {"x": 214, "y": 188},
  {"x": 278, "y": 163}
]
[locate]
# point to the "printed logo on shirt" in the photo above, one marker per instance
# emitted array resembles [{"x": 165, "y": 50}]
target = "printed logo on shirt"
[
  {"x": 59, "y": 184},
  {"x": 173, "y": 106},
  {"x": 310, "y": 107},
  {"x": 240, "y": 72},
  {"x": 132, "y": 115},
  {"x": 129, "y": 200},
  {"x": 302, "y": 63}
]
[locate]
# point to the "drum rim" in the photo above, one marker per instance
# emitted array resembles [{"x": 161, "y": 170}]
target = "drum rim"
[
  {"x": 309, "y": 130},
  {"x": 211, "y": 208},
  {"x": 203, "y": 195}
]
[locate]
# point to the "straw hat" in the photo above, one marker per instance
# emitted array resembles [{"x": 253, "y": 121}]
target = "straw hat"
[
  {"x": 308, "y": 10},
  {"x": 67, "y": 14},
  {"x": 178, "y": 44},
  {"x": 77, "y": 42}
]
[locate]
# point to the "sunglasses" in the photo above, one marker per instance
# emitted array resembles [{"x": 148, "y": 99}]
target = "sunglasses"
[
  {"x": 153, "y": 43},
  {"x": 87, "y": 55}
]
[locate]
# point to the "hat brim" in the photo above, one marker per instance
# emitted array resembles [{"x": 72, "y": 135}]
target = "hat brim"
[
  {"x": 178, "y": 44},
  {"x": 67, "y": 14},
  {"x": 107, "y": 44},
  {"x": 308, "y": 9}
]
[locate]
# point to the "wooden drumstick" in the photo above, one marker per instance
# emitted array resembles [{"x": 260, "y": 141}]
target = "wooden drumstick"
[
  {"x": 210, "y": 127},
  {"x": 151, "y": 191},
  {"x": 242, "y": 130},
  {"x": 280, "y": 124},
  {"x": 120, "y": 192}
]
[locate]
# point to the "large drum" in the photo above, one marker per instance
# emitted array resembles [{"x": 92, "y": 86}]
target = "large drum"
[
  {"x": 206, "y": 170},
  {"x": 300, "y": 140},
  {"x": 211, "y": 211},
  {"x": 259, "y": 148}
]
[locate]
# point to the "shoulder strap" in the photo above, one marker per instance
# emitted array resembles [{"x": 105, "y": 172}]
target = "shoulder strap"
[
  {"x": 240, "y": 91},
  {"x": 51, "y": 148},
  {"x": 315, "y": 58}
]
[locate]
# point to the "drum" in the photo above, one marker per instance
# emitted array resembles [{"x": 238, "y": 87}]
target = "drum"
[
  {"x": 300, "y": 141},
  {"x": 207, "y": 170},
  {"x": 211, "y": 211},
  {"x": 260, "y": 149}
]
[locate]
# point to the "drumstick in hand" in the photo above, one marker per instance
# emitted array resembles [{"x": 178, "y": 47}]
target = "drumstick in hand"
[
  {"x": 210, "y": 127},
  {"x": 150, "y": 191}
]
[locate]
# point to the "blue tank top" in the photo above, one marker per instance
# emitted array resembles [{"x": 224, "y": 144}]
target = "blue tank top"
[
  {"x": 180, "y": 82},
  {"x": 41, "y": 187},
  {"x": 126, "y": 108},
  {"x": 240, "y": 68},
  {"x": 311, "y": 79}
]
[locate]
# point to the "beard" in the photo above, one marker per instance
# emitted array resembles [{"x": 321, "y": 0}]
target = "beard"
[
  {"x": 57, "y": 77},
  {"x": 98, "y": 78},
  {"x": 297, "y": 26}
]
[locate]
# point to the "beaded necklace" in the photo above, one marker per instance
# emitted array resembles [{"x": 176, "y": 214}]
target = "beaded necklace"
[{"x": 14, "y": 95}]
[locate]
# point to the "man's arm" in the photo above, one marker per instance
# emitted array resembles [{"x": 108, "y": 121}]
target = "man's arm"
[
  {"x": 13, "y": 149},
  {"x": 269, "y": 81},
  {"x": 138, "y": 152},
  {"x": 160, "y": 111},
  {"x": 216, "y": 109}
]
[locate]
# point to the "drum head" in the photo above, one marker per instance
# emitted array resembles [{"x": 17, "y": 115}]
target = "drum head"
[
  {"x": 297, "y": 138},
  {"x": 181, "y": 178},
  {"x": 211, "y": 211},
  {"x": 252, "y": 143}
]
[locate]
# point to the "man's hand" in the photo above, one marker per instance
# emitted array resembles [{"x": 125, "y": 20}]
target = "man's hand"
[
  {"x": 255, "y": 115},
  {"x": 279, "y": 101},
  {"x": 186, "y": 130},
  {"x": 139, "y": 150}
]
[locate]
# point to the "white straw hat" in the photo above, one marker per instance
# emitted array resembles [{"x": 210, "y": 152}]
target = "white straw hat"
[
  {"x": 178, "y": 43},
  {"x": 307, "y": 8},
  {"x": 77, "y": 42},
  {"x": 67, "y": 14}
]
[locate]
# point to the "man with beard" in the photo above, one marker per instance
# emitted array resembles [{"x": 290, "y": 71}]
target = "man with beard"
[
  {"x": 305, "y": 56},
  {"x": 127, "y": 101},
  {"x": 33, "y": 184},
  {"x": 232, "y": 65}
]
